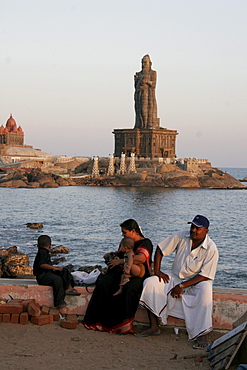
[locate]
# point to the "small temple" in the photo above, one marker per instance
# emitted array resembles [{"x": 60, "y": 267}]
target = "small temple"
[
  {"x": 12, "y": 147},
  {"x": 11, "y": 134}
]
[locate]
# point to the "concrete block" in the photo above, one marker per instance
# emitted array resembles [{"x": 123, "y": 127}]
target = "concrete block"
[
  {"x": 24, "y": 318},
  {"x": 11, "y": 308},
  {"x": 6, "y": 318},
  {"x": 68, "y": 324},
  {"x": 26, "y": 302},
  {"x": 45, "y": 310},
  {"x": 42, "y": 319},
  {"x": 33, "y": 310},
  {"x": 55, "y": 313},
  {"x": 15, "y": 318},
  {"x": 72, "y": 317}
]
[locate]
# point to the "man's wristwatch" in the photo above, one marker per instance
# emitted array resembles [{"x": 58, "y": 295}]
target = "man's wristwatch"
[{"x": 181, "y": 286}]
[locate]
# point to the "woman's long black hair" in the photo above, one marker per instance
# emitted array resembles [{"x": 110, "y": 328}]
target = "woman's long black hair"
[{"x": 131, "y": 224}]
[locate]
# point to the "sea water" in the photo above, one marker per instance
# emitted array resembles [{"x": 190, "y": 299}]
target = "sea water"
[{"x": 86, "y": 220}]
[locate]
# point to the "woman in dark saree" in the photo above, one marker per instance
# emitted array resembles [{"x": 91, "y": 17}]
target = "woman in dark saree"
[{"x": 115, "y": 314}]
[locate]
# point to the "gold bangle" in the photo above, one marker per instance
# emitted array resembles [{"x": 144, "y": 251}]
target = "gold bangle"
[{"x": 181, "y": 286}]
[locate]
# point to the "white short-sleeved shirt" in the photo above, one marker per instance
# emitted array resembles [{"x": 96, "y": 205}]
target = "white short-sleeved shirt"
[{"x": 188, "y": 263}]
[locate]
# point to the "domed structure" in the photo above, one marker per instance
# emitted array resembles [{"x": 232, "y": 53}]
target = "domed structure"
[
  {"x": 11, "y": 124},
  {"x": 10, "y": 134}
]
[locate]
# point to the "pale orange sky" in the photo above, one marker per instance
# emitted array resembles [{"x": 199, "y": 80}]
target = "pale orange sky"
[{"x": 67, "y": 72}]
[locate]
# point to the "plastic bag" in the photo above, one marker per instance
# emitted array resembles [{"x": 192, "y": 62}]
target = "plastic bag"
[{"x": 82, "y": 278}]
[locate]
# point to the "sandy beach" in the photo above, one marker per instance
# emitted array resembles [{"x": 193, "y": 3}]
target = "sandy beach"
[{"x": 36, "y": 347}]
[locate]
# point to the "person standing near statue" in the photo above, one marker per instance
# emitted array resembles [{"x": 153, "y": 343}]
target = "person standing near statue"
[{"x": 145, "y": 101}]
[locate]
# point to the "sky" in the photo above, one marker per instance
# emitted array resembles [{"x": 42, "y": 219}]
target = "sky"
[{"x": 67, "y": 73}]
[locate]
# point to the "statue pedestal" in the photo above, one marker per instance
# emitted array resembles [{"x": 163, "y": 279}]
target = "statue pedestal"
[{"x": 152, "y": 143}]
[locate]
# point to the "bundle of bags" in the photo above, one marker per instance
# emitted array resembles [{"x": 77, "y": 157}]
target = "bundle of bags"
[{"x": 82, "y": 278}]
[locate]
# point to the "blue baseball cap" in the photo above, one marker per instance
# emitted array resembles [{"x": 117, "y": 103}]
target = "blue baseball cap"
[{"x": 200, "y": 221}]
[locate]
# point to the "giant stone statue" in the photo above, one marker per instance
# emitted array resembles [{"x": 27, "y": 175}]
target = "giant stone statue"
[
  {"x": 145, "y": 101},
  {"x": 147, "y": 139}
]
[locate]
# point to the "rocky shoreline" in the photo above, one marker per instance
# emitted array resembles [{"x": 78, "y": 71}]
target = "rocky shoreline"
[
  {"x": 14, "y": 264},
  {"x": 166, "y": 176}
]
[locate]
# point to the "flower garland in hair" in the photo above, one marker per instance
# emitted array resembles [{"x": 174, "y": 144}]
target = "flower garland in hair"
[{"x": 140, "y": 229}]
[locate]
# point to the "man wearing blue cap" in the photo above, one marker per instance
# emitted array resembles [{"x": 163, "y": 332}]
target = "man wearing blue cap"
[{"x": 186, "y": 292}]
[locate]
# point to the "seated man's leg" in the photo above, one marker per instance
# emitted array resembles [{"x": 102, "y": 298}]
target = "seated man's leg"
[
  {"x": 56, "y": 282},
  {"x": 154, "y": 299},
  {"x": 197, "y": 302}
]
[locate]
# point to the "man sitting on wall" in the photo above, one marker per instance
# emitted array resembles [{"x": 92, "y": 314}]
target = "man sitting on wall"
[{"x": 186, "y": 292}]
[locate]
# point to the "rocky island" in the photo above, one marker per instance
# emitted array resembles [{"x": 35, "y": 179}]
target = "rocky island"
[{"x": 147, "y": 174}]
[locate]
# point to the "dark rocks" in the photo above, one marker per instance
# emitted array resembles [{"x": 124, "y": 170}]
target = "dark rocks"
[
  {"x": 180, "y": 179},
  {"x": 33, "y": 185},
  {"x": 217, "y": 179},
  {"x": 166, "y": 168},
  {"x": 17, "y": 259},
  {"x": 165, "y": 175},
  {"x": 62, "y": 182},
  {"x": 18, "y": 270},
  {"x": 58, "y": 260},
  {"x": 13, "y": 184},
  {"x": 168, "y": 177},
  {"x": 33, "y": 179},
  {"x": 35, "y": 225},
  {"x": 50, "y": 185},
  {"x": 3, "y": 252},
  {"x": 13, "y": 249},
  {"x": 59, "y": 249},
  {"x": 15, "y": 264}
]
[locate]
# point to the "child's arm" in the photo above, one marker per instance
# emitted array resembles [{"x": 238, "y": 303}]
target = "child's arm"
[
  {"x": 128, "y": 264},
  {"x": 130, "y": 258}
]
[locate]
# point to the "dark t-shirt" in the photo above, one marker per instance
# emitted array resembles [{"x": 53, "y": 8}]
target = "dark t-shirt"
[{"x": 43, "y": 256}]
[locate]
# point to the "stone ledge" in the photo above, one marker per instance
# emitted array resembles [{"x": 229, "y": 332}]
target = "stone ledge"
[
  {"x": 229, "y": 303},
  {"x": 14, "y": 281}
]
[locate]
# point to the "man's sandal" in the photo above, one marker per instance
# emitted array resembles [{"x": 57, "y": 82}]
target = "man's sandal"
[
  {"x": 72, "y": 292},
  {"x": 200, "y": 345}
]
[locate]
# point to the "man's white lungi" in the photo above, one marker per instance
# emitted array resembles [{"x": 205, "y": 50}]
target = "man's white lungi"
[{"x": 194, "y": 305}]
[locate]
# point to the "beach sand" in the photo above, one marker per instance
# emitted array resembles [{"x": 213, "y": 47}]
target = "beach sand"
[{"x": 37, "y": 347}]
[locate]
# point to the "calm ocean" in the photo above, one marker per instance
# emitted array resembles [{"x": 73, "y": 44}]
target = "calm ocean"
[{"x": 86, "y": 220}]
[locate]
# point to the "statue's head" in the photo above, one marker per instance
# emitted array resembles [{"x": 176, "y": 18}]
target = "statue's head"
[{"x": 146, "y": 62}]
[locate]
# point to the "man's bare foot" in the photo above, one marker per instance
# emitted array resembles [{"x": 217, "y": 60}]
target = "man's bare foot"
[{"x": 149, "y": 333}]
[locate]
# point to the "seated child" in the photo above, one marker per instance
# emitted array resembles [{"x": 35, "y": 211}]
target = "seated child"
[
  {"x": 59, "y": 278},
  {"x": 130, "y": 268}
]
